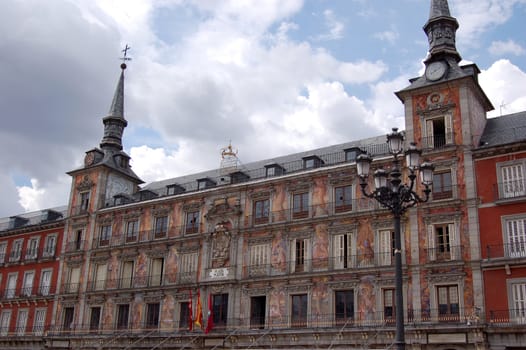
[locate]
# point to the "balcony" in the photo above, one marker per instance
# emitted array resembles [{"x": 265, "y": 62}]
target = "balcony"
[
  {"x": 516, "y": 250},
  {"x": 444, "y": 254},
  {"x": 437, "y": 141},
  {"x": 508, "y": 317},
  {"x": 510, "y": 190}
]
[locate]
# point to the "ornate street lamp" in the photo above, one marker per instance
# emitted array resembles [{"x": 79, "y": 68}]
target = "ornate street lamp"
[{"x": 397, "y": 197}]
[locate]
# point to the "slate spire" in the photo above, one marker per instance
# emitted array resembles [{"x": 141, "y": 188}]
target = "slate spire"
[
  {"x": 114, "y": 122},
  {"x": 441, "y": 31}
]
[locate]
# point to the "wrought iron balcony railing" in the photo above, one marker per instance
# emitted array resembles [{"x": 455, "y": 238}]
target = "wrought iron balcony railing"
[
  {"x": 513, "y": 250},
  {"x": 510, "y": 189}
]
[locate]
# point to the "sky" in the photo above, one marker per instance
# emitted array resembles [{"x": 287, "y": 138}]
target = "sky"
[{"x": 272, "y": 77}]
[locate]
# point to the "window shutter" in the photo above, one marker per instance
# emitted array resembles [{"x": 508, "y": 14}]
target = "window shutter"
[
  {"x": 292, "y": 255},
  {"x": 307, "y": 255},
  {"x": 74, "y": 279},
  {"x": 46, "y": 282},
  {"x": 100, "y": 276},
  {"x": 338, "y": 251},
  {"x": 449, "y": 129},
  {"x": 454, "y": 242},
  {"x": 519, "y": 301},
  {"x": 431, "y": 242},
  {"x": 127, "y": 274},
  {"x": 429, "y": 133},
  {"x": 385, "y": 247}
]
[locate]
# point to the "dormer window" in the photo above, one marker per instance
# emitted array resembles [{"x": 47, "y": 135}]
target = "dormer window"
[
  {"x": 312, "y": 162},
  {"x": 174, "y": 189},
  {"x": 274, "y": 170},
  {"x": 352, "y": 153},
  {"x": 238, "y": 177},
  {"x": 205, "y": 183}
]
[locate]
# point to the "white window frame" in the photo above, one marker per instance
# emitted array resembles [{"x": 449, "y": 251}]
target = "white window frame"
[
  {"x": 39, "y": 321},
  {"x": 429, "y": 129},
  {"x": 21, "y": 321},
  {"x": 512, "y": 179},
  {"x": 306, "y": 254},
  {"x": 3, "y": 250},
  {"x": 384, "y": 247},
  {"x": 453, "y": 241},
  {"x": 74, "y": 279},
  {"x": 28, "y": 283},
  {"x": 50, "y": 245},
  {"x": 99, "y": 276},
  {"x": 259, "y": 259},
  {"x": 44, "y": 288},
  {"x": 156, "y": 279},
  {"x": 127, "y": 276},
  {"x": 10, "y": 289},
  {"x": 517, "y": 300},
  {"x": 514, "y": 236},
  {"x": 5, "y": 321},
  {"x": 188, "y": 266},
  {"x": 16, "y": 250},
  {"x": 340, "y": 250},
  {"x": 32, "y": 248}
]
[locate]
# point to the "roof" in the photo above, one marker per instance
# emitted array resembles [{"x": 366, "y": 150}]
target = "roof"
[
  {"x": 504, "y": 130},
  {"x": 291, "y": 163},
  {"x": 44, "y": 216}
]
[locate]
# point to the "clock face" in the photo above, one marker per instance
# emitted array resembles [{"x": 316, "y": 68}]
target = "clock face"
[
  {"x": 88, "y": 160},
  {"x": 436, "y": 70}
]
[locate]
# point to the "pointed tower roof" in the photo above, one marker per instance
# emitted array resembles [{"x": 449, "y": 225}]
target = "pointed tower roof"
[
  {"x": 114, "y": 122},
  {"x": 441, "y": 31}
]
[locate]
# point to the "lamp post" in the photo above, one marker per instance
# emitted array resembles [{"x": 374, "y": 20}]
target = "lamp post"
[{"x": 397, "y": 197}]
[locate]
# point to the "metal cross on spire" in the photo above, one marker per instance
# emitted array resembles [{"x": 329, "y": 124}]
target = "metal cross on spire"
[{"x": 124, "y": 58}]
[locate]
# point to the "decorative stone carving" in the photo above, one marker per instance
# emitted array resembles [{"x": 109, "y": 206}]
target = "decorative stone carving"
[
  {"x": 347, "y": 228},
  {"x": 221, "y": 209},
  {"x": 194, "y": 206},
  {"x": 221, "y": 246},
  {"x": 301, "y": 185},
  {"x": 133, "y": 214},
  {"x": 161, "y": 210},
  {"x": 86, "y": 184}
]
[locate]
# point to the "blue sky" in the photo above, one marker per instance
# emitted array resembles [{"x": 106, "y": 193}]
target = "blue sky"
[{"x": 273, "y": 76}]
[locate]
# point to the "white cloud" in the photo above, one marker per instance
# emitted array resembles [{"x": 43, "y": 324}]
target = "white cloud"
[
  {"x": 503, "y": 48},
  {"x": 390, "y": 36},
  {"x": 36, "y": 197},
  {"x": 505, "y": 86}
]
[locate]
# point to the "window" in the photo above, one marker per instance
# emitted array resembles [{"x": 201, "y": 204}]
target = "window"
[
  {"x": 152, "y": 315},
  {"x": 21, "y": 322},
  {"x": 78, "y": 240},
  {"x": 386, "y": 247},
  {"x": 132, "y": 230},
  {"x": 344, "y": 306},
  {"x": 74, "y": 277},
  {"x": 300, "y": 205},
  {"x": 299, "y": 310},
  {"x": 188, "y": 267},
  {"x": 274, "y": 170},
  {"x": 352, "y": 153},
  {"x": 16, "y": 250},
  {"x": 94, "y": 320},
  {"x": 512, "y": 181},
  {"x": 50, "y": 246},
  {"x": 312, "y": 162},
  {"x": 45, "y": 282},
  {"x": 261, "y": 211},
  {"x": 518, "y": 302},
  {"x": 27, "y": 288},
  {"x": 343, "y": 251},
  {"x": 192, "y": 222},
  {"x": 3, "y": 249},
  {"x": 439, "y": 132},
  {"x": 105, "y": 235},
  {"x": 298, "y": 254},
  {"x": 5, "y": 319},
  {"x": 39, "y": 321},
  {"x": 257, "y": 311},
  {"x": 389, "y": 304},
  {"x": 123, "y": 314},
  {"x": 127, "y": 274},
  {"x": 442, "y": 185},
  {"x": 32, "y": 248},
  {"x": 84, "y": 201},
  {"x": 161, "y": 227},
  {"x": 67, "y": 320},
  {"x": 443, "y": 243},
  {"x": 259, "y": 259},
  {"x": 11, "y": 286},
  {"x": 99, "y": 280},
  {"x": 156, "y": 272},
  {"x": 184, "y": 315},
  {"x": 516, "y": 237},
  {"x": 448, "y": 303},
  {"x": 343, "y": 198},
  {"x": 220, "y": 310}
]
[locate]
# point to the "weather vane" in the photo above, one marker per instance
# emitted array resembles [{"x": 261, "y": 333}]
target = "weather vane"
[{"x": 124, "y": 58}]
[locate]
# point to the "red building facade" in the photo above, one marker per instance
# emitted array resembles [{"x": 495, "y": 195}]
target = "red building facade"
[{"x": 29, "y": 268}]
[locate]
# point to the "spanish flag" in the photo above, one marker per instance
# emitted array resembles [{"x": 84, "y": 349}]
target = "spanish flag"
[{"x": 199, "y": 311}]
